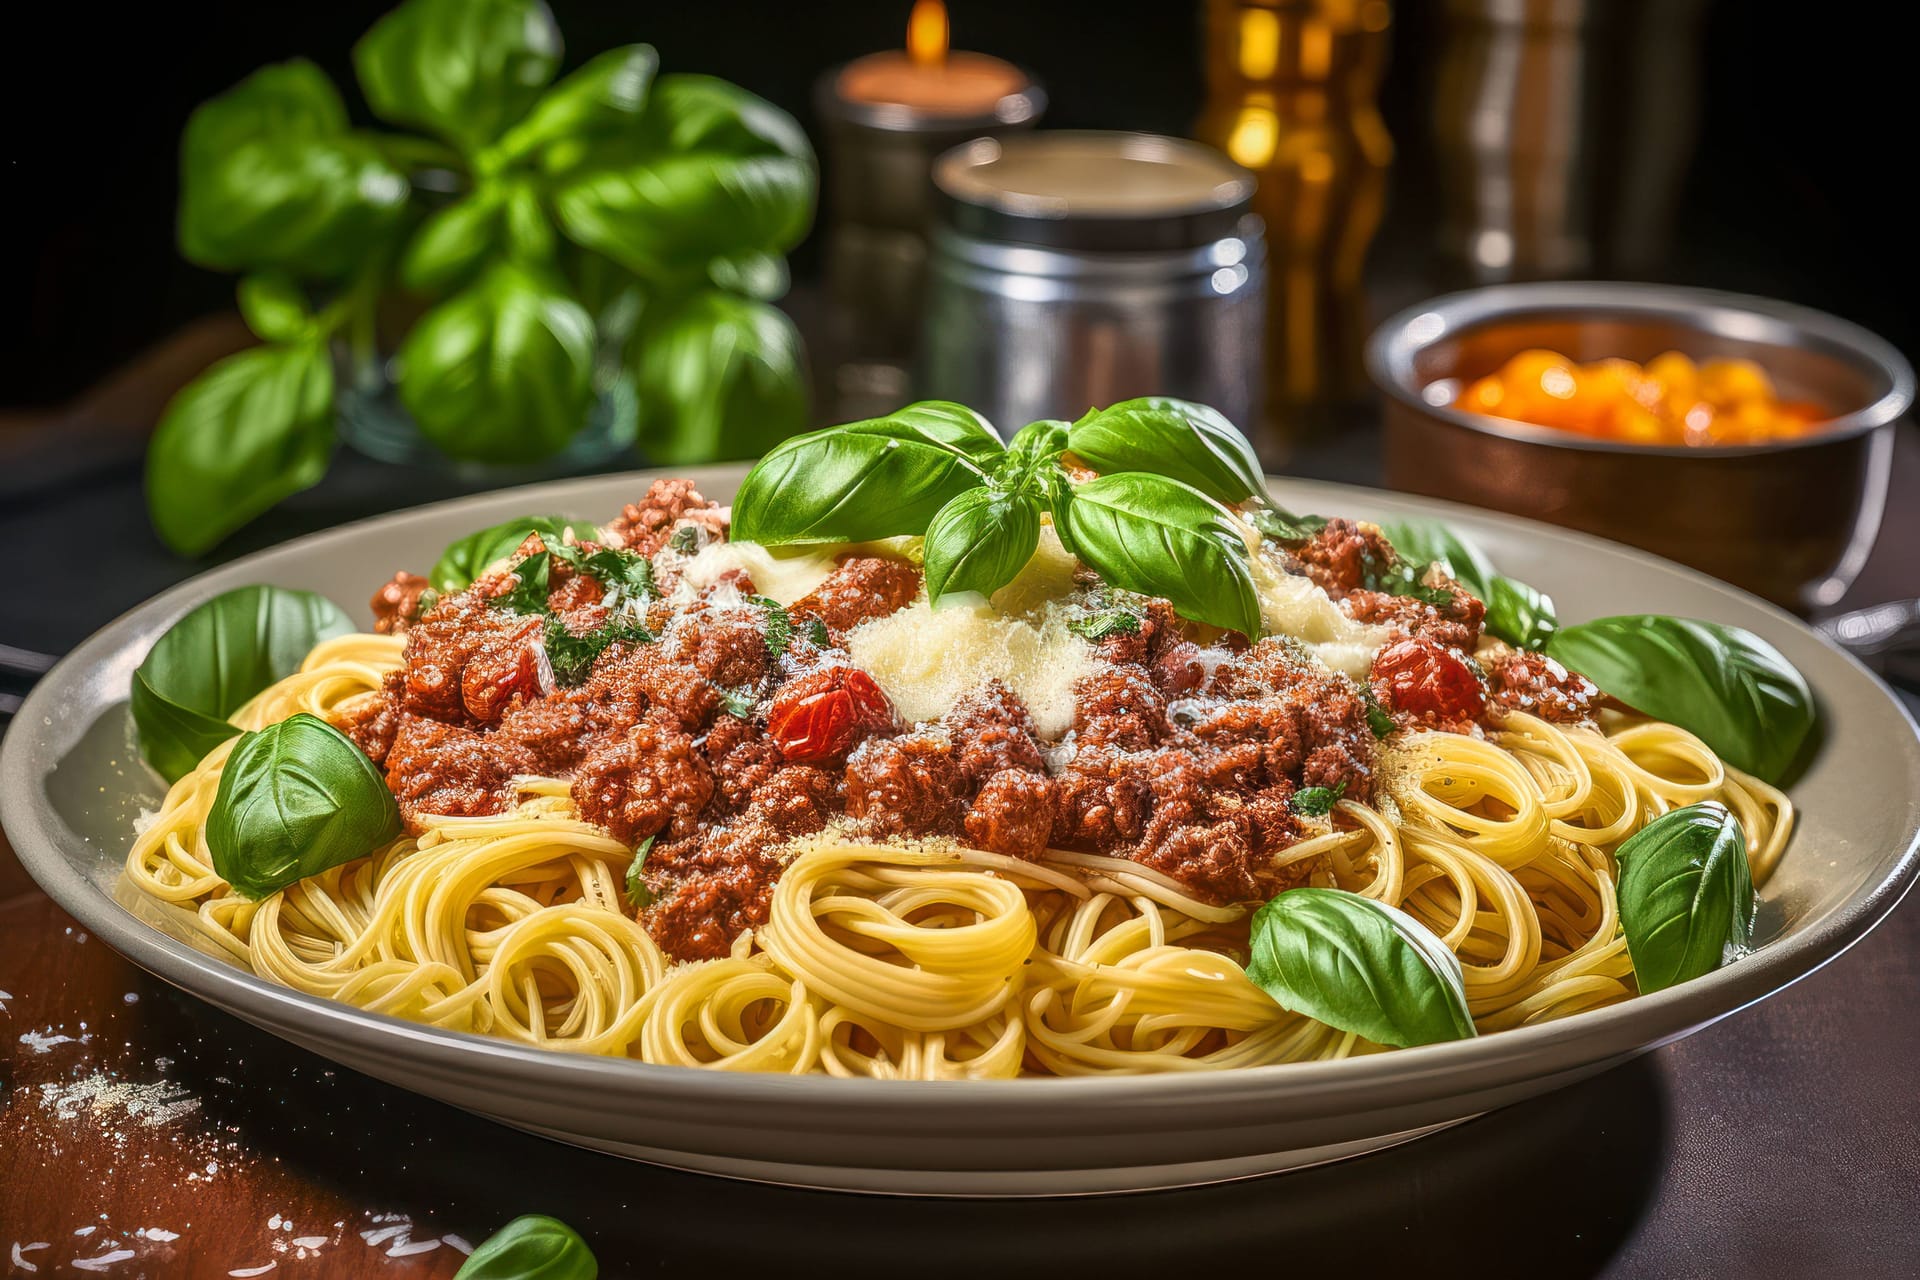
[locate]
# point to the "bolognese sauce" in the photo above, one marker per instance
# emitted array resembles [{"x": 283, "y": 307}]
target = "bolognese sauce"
[{"x": 711, "y": 727}]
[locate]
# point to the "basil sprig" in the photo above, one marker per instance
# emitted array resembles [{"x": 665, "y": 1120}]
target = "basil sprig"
[
  {"x": 1686, "y": 895},
  {"x": 609, "y": 238},
  {"x": 296, "y": 798},
  {"x": 531, "y": 1247},
  {"x": 214, "y": 660},
  {"x": 1723, "y": 683},
  {"x": 937, "y": 469},
  {"x": 1516, "y": 612},
  {"x": 1360, "y": 966}
]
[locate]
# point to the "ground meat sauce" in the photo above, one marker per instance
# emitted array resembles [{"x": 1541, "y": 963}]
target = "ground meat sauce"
[{"x": 689, "y": 734}]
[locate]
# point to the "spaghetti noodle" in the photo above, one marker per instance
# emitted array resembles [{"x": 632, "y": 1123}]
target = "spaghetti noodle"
[{"x": 930, "y": 960}]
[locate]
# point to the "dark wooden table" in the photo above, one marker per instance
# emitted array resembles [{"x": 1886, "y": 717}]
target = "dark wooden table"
[{"x": 144, "y": 1134}]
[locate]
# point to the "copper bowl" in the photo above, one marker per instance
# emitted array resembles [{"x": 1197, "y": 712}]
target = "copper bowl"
[{"x": 1791, "y": 521}]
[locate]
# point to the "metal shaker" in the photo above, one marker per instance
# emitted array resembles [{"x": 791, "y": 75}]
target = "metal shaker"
[{"x": 1074, "y": 269}]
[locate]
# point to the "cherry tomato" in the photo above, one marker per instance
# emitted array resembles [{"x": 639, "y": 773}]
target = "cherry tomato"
[
  {"x": 1426, "y": 679},
  {"x": 825, "y": 712}
]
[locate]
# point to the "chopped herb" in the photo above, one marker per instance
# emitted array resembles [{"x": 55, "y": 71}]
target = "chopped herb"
[
  {"x": 1283, "y": 526},
  {"x": 1318, "y": 802},
  {"x": 737, "y": 702},
  {"x": 1398, "y": 577},
  {"x": 572, "y": 656},
  {"x": 779, "y": 624},
  {"x": 1098, "y": 626},
  {"x": 685, "y": 539},
  {"x": 638, "y": 895},
  {"x": 614, "y": 567},
  {"x": 817, "y": 632},
  {"x": 1377, "y": 718},
  {"x": 529, "y": 594}
]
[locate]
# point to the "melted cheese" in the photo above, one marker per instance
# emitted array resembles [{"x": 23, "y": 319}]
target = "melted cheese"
[
  {"x": 780, "y": 573},
  {"x": 1294, "y": 606},
  {"x": 924, "y": 659}
]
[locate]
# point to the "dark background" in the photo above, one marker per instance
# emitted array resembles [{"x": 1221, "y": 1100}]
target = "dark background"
[{"x": 1804, "y": 139}]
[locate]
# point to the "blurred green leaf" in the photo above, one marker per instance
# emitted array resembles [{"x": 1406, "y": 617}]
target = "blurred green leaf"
[
  {"x": 718, "y": 377},
  {"x": 450, "y": 245},
  {"x": 252, "y": 430},
  {"x": 274, "y": 307},
  {"x": 463, "y": 70},
  {"x": 270, "y": 176},
  {"x": 757, "y": 275},
  {"x": 710, "y": 171},
  {"x": 503, "y": 370},
  {"x": 605, "y": 97}
]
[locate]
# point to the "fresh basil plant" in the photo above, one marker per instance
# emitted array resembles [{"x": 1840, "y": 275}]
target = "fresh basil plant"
[
  {"x": 296, "y": 798},
  {"x": 1723, "y": 683},
  {"x": 616, "y": 233},
  {"x": 1360, "y": 966},
  {"x": 214, "y": 660},
  {"x": 937, "y": 469},
  {"x": 531, "y": 1247},
  {"x": 1686, "y": 895}
]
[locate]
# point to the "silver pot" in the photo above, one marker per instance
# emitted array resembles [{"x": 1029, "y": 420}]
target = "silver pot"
[{"x": 1074, "y": 269}]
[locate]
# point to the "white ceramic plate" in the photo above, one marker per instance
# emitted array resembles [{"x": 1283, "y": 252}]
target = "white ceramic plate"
[{"x": 71, "y": 784}]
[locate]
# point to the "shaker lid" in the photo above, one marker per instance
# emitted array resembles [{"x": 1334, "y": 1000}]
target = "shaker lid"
[{"x": 1087, "y": 189}]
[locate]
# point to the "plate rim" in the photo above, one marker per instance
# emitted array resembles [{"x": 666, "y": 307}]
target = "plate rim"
[{"x": 1646, "y": 1021}]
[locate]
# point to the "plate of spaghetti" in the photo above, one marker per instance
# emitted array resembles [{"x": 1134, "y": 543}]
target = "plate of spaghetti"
[{"x": 922, "y": 811}]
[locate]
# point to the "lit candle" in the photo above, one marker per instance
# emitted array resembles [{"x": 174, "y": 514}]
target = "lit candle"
[
  {"x": 885, "y": 117},
  {"x": 928, "y": 77}
]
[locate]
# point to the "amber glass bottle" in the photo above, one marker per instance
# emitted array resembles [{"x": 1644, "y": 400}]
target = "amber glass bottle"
[{"x": 1291, "y": 87}]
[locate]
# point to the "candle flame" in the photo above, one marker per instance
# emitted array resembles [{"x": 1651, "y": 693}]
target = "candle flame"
[{"x": 927, "y": 33}]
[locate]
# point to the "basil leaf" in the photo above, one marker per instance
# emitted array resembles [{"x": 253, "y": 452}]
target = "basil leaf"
[
  {"x": 253, "y": 429},
  {"x": 502, "y": 371},
  {"x": 453, "y": 242},
  {"x": 1176, "y": 438},
  {"x": 816, "y": 632},
  {"x": 1725, "y": 684},
  {"x": 875, "y": 479},
  {"x": 296, "y": 798},
  {"x": 1686, "y": 895},
  {"x": 1360, "y": 966},
  {"x": 214, "y": 660},
  {"x": 533, "y": 1247},
  {"x": 718, "y": 377},
  {"x": 604, "y": 97},
  {"x": 463, "y": 560},
  {"x": 273, "y": 307},
  {"x": 708, "y": 170},
  {"x": 1282, "y": 526},
  {"x": 1516, "y": 612},
  {"x": 1159, "y": 537},
  {"x": 979, "y": 542},
  {"x": 461, "y": 69},
  {"x": 271, "y": 176},
  {"x": 751, "y": 273},
  {"x": 1318, "y": 802},
  {"x": 1097, "y": 627},
  {"x": 1521, "y": 615},
  {"x": 639, "y": 897}
]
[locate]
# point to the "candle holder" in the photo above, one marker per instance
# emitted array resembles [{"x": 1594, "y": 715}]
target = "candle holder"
[{"x": 878, "y": 156}]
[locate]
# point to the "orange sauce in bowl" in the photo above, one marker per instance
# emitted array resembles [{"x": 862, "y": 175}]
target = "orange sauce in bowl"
[{"x": 1668, "y": 400}]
